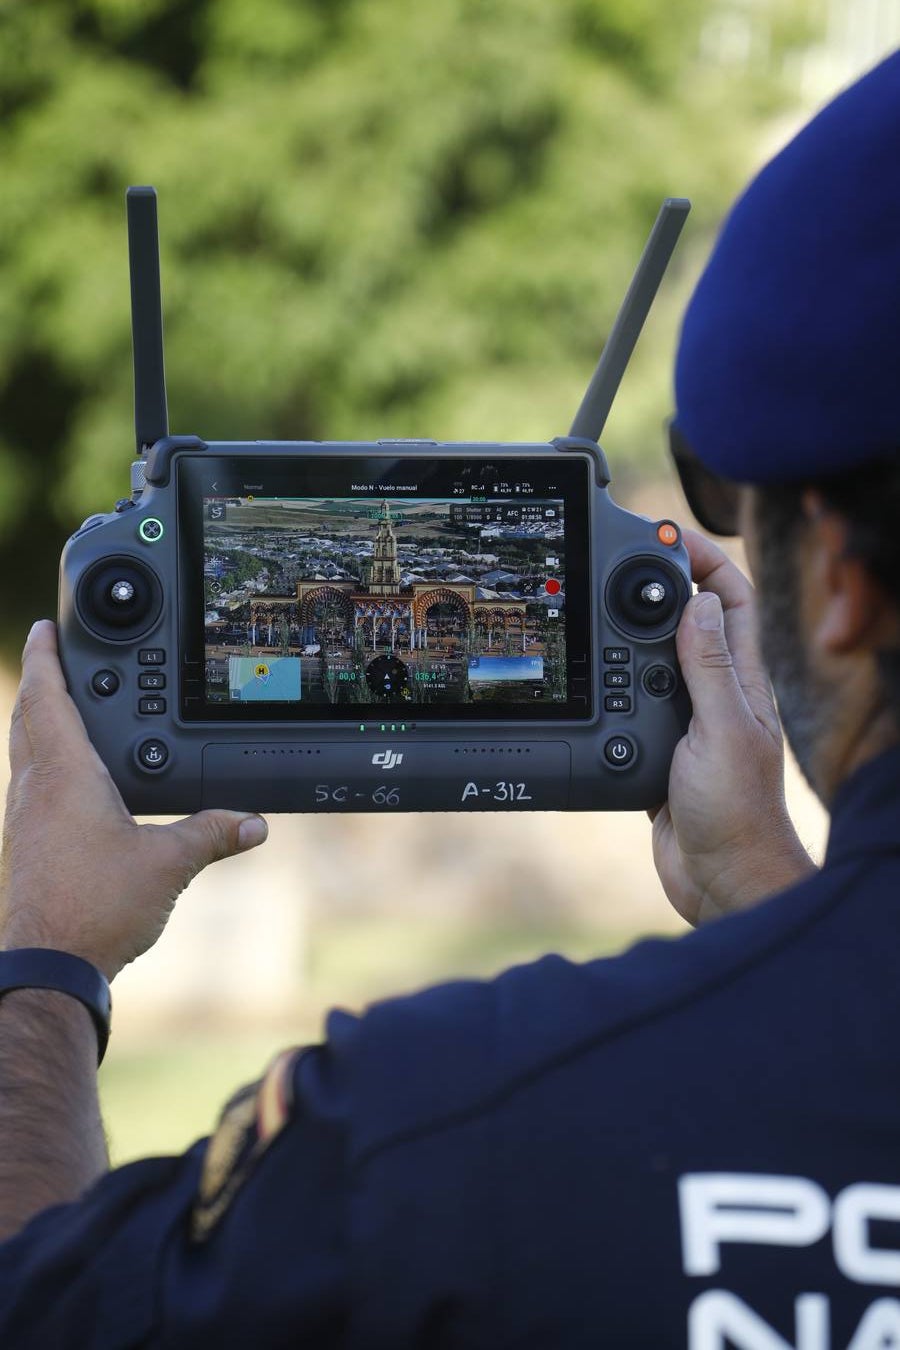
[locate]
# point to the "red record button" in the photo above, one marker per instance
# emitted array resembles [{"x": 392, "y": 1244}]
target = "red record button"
[{"x": 552, "y": 586}]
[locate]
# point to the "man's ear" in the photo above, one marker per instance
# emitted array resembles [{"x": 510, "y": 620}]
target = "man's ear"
[{"x": 847, "y": 608}]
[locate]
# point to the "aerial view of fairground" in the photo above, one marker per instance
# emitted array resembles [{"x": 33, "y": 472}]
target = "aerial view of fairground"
[{"x": 374, "y": 601}]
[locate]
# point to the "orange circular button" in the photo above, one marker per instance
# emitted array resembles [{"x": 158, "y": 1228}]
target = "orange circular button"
[{"x": 667, "y": 533}]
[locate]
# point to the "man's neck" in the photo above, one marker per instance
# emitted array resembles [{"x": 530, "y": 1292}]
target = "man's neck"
[{"x": 854, "y": 742}]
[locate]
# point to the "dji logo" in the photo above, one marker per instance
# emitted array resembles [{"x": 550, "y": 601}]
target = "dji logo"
[{"x": 387, "y": 759}]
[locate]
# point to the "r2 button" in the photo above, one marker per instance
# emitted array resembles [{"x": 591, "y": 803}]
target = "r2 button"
[{"x": 619, "y": 752}]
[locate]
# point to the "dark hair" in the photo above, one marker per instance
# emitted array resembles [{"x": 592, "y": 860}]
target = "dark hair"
[{"x": 869, "y": 501}]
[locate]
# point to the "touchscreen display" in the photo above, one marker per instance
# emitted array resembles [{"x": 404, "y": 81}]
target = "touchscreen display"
[{"x": 410, "y": 586}]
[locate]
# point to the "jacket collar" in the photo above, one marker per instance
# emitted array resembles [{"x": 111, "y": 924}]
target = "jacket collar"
[{"x": 865, "y": 816}]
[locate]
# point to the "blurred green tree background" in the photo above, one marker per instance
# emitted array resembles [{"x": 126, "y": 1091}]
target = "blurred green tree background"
[{"x": 378, "y": 219}]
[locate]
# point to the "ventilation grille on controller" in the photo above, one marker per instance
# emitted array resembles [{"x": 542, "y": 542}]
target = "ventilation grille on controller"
[
  {"x": 282, "y": 751},
  {"x": 492, "y": 750}
]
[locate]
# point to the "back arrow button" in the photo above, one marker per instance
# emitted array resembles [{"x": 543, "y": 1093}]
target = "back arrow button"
[{"x": 105, "y": 682}]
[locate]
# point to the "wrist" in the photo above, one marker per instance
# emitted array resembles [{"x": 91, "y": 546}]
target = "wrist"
[
  {"x": 23, "y": 930},
  {"x": 47, "y": 970},
  {"x": 773, "y": 863},
  {"x": 48, "y": 1012}
]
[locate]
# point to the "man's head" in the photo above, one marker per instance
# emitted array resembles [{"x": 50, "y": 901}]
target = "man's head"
[
  {"x": 788, "y": 384},
  {"x": 826, "y": 560}
]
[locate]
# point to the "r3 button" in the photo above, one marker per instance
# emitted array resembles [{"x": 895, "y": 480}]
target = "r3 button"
[{"x": 619, "y": 751}]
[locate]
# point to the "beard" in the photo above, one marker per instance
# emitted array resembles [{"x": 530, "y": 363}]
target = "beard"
[{"x": 805, "y": 701}]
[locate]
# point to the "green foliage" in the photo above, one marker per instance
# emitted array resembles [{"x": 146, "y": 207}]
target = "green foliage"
[
  {"x": 644, "y": 39},
  {"x": 241, "y": 567},
  {"x": 377, "y": 219}
]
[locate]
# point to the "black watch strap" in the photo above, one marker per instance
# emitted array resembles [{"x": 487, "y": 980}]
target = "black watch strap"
[{"x": 44, "y": 968}]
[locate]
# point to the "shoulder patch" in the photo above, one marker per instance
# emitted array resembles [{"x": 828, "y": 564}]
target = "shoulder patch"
[{"x": 251, "y": 1119}]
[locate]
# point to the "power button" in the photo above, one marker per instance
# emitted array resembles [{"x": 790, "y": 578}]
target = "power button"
[{"x": 619, "y": 752}]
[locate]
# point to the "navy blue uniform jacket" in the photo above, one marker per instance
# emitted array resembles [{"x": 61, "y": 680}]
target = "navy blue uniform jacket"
[{"x": 696, "y": 1143}]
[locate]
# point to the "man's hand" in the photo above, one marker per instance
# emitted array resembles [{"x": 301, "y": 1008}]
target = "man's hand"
[
  {"x": 77, "y": 873},
  {"x": 724, "y": 839}
]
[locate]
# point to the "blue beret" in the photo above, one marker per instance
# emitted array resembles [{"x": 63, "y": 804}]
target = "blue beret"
[{"x": 788, "y": 365}]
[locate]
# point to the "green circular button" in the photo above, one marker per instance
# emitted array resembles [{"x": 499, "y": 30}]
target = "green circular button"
[{"x": 151, "y": 530}]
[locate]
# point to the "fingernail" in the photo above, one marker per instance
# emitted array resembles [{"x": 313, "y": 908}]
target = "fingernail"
[
  {"x": 708, "y": 611},
  {"x": 28, "y": 637},
  {"x": 252, "y": 831}
]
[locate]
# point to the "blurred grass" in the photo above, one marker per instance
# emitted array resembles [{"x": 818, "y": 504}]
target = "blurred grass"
[
  {"x": 159, "y": 1096},
  {"x": 412, "y": 219}
]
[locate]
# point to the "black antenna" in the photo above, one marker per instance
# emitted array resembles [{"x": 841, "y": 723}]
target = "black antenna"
[
  {"x": 151, "y": 415},
  {"x": 591, "y": 416}
]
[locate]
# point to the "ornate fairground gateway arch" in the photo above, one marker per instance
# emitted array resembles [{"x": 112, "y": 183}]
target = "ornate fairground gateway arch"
[
  {"x": 325, "y": 612},
  {"x": 488, "y": 617},
  {"x": 274, "y": 622},
  {"x": 382, "y": 613}
]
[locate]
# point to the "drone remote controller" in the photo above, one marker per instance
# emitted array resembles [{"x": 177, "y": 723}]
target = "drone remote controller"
[{"x": 376, "y": 626}]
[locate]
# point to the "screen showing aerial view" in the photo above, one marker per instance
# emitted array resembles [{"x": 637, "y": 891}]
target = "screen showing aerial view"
[{"x": 385, "y": 600}]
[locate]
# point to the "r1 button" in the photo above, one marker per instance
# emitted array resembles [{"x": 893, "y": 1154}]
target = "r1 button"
[
  {"x": 619, "y": 752},
  {"x": 153, "y": 754}
]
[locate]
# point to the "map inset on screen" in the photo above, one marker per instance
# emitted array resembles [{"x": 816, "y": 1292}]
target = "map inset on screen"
[{"x": 401, "y": 601}]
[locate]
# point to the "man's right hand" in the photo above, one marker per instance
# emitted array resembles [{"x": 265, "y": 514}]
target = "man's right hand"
[
  {"x": 77, "y": 872},
  {"x": 724, "y": 839}
]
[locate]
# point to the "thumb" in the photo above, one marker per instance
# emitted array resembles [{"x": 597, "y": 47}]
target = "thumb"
[
  {"x": 706, "y": 662},
  {"x": 208, "y": 836}
]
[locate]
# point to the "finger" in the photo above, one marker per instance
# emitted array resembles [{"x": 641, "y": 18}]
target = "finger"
[
  {"x": 46, "y": 724},
  {"x": 714, "y": 571},
  {"x": 208, "y": 836},
  {"x": 707, "y": 664},
  {"x": 19, "y": 744}
]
